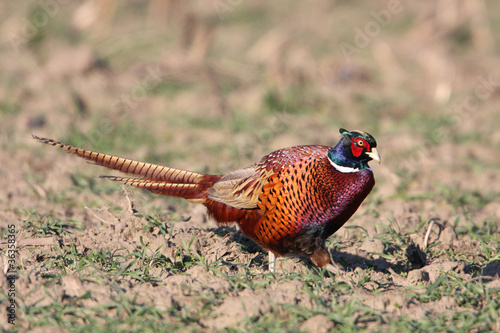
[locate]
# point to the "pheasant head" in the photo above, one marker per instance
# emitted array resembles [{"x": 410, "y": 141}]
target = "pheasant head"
[{"x": 354, "y": 151}]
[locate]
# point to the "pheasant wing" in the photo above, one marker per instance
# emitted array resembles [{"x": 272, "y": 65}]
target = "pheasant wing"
[{"x": 240, "y": 188}]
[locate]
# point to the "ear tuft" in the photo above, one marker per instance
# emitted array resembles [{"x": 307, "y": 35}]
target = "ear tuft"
[{"x": 344, "y": 132}]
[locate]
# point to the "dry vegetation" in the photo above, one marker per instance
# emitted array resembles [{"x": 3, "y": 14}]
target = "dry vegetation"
[{"x": 211, "y": 86}]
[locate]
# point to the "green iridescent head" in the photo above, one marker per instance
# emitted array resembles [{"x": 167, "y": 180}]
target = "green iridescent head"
[{"x": 354, "y": 150}]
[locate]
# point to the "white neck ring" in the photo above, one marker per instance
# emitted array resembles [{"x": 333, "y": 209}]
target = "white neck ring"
[{"x": 343, "y": 169}]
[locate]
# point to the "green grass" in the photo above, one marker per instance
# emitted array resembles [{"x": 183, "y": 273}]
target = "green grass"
[
  {"x": 469, "y": 294},
  {"x": 300, "y": 89},
  {"x": 46, "y": 224},
  {"x": 339, "y": 300}
]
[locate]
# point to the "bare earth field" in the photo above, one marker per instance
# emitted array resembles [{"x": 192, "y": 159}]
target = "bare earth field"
[{"x": 212, "y": 86}]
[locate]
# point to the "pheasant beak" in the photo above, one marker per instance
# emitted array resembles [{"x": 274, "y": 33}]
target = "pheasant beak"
[{"x": 374, "y": 154}]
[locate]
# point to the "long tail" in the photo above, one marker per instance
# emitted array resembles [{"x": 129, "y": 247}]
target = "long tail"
[{"x": 158, "y": 179}]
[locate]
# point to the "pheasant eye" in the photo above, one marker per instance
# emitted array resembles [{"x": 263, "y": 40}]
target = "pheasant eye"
[{"x": 360, "y": 142}]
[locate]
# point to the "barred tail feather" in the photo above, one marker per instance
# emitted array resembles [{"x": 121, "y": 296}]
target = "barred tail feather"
[
  {"x": 192, "y": 186},
  {"x": 190, "y": 192},
  {"x": 155, "y": 178},
  {"x": 145, "y": 170}
]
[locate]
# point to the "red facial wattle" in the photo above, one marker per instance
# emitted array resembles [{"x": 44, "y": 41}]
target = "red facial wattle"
[{"x": 358, "y": 145}]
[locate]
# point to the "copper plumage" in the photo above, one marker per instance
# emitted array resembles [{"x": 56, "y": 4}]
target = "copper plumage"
[{"x": 289, "y": 202}]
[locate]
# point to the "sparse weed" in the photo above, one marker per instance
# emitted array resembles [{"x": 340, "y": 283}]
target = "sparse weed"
[
  {"x": 46, "y": 224},
  {"x": 271, "y": 87}
]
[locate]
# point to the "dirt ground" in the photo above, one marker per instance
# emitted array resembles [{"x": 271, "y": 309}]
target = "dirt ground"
[{"x": 211, "y": 87}]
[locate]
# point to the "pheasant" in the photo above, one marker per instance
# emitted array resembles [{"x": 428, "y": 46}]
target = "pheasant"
[{"x": 289, "y": 202}]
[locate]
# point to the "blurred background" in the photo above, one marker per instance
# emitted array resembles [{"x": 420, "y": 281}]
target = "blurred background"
[{"x": 213, "y": 85}]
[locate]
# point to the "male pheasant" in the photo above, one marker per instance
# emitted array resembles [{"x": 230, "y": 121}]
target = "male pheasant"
[{"x": 289, "y": 202}]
